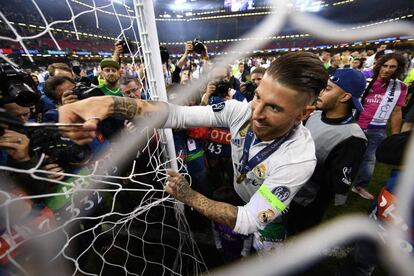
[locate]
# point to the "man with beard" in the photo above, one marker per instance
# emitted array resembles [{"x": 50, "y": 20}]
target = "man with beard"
[
  {"x": 339, "y": 143},
  {"x": 111, "y": 75},
  {"x": 273, "y": 154}
]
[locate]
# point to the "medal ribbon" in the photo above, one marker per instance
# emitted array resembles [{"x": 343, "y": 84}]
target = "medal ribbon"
[{"x": 248, "y": 165}]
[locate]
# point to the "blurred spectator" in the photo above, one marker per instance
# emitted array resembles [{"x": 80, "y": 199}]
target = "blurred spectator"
[
  {"x": 357, "y": 64},
  {"x": 241, "y": 73},
  {"x": 339, "y": 143},
  {"x": 335, "y": 62},
  {"x": 382, "y": 102},
  {"x": 130, "y": 87},
  {"x": 326, "y": 58},
  {"x": 111, "y": 75},
  {"x": 370, "y": 60}
]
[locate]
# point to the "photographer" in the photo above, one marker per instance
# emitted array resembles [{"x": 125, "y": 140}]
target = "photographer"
[
  {"x": 248, "y": 88},
  {"x": 219, "y": 89},
  {"x": 191, "y": 47},
  {"x": 59, "y": 89},
  {"x": 63, "y": 90},
  {"x": 79, "y": 74},
  {"x": 17, "y": 152}
]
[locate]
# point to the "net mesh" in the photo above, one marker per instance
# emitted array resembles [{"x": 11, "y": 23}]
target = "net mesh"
[
  {"x": 104, "y": 218},
  {"x": 99, "y": 221}
]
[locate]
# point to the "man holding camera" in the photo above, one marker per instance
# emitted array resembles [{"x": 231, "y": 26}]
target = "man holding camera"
[
  {"x": 191, "y": 47},
  {"x": 248, "y": 88},
  {"x": 273, "y": 153}
]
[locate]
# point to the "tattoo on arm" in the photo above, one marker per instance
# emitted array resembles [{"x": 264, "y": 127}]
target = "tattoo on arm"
[
  {"x": 126, "y": 107},
  {"x": 131, "y": 108},
  {"x": 219, "y": 212}
]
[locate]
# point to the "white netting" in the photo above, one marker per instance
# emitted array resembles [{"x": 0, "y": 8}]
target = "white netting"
[
  {"x": 117, "y": 241},
  {"x": 103, "y": 218}
]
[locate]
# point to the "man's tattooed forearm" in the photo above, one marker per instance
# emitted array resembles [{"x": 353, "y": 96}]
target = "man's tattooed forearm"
[
  {"x": 220, "y": 212},
  {"x": 126, "y": 107}
]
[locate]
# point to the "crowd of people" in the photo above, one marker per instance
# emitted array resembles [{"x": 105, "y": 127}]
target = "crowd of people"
[{"x": 269, "y": 142}]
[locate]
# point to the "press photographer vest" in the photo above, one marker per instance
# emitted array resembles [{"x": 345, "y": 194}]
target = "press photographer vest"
[{"x": 326, "y": 138}]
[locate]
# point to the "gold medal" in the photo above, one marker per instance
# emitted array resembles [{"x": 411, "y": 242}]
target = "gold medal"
[{"x": 241, "y": 178}]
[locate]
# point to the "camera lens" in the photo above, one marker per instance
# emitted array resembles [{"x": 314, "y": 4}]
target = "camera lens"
[
  {"x": 22, "y": 94},
  {"x": 198, "y": 47}
]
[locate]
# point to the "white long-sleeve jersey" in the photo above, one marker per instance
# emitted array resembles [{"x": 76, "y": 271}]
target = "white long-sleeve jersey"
[{"x": 270, "y": 186}]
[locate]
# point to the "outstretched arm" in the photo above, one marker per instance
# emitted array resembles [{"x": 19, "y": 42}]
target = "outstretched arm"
[{"x": 93, "y": 110}]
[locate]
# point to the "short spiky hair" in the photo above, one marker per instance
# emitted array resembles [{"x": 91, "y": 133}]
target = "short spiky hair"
[{"x": 300, "y": 71}]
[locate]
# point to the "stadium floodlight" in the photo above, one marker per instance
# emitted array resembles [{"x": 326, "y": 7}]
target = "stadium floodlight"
[
  {"x": 308, "y": 5},
  {"x": 121, "y": 2}
]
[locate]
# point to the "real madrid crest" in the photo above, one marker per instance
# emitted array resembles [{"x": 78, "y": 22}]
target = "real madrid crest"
[{"x": 244, "y": 128}]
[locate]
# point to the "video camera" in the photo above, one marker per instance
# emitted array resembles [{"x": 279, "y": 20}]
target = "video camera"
[{"x": 17, "y": 86}]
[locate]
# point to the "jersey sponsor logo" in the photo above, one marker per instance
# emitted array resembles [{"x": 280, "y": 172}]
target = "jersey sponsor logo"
[
  {"x": 281, "y": 192},
  {"x": 219, "y": 135},
  {"x": 260, "y": 171},
  {"x": 218, "y": 106},
  {"x": 347, "y": 178},
  {"x": 266, "y": 216}
]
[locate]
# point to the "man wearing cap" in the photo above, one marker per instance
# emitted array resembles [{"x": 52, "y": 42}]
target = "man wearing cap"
[
  {"x": 111, "y": 75},
  {"x": 340, "y": 144}
]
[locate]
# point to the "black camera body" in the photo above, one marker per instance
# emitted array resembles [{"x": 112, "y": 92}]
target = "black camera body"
[
  {"x": 59, "y": 150},
  {"x": 127, "y": 46},
  {"x": 165, "y": 55},
  {"x": 222, "y": 89},
  {"x": 249, "y": 91},
  {"x": 198, "y": 47},
  {"x": 17, "y": 86},
  {"x": 83, "y": 92}
]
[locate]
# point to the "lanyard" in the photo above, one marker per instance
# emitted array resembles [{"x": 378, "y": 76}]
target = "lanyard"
[{"x": 248, "y": 165}]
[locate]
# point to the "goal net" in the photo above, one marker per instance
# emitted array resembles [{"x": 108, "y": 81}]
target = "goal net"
[{"x": 112, "y": 216}]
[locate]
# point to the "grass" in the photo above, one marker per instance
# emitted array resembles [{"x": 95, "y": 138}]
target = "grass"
[{"x": 356, "y": 204}]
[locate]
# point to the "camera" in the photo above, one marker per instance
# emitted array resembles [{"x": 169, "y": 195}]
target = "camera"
[
  {"x": 83, "y": 92},
  {"x": 222, "y": 89},
  {"x": 198, "y": 46},
  {"x": 17, "y": 86},
  {"x": 59, "y": 150},
  {"x": 165, "y": 55},
  {"x": 125, "y": 49},
  {"x": 250, "y": 88},
  {"x": 10, "y": 121}
]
